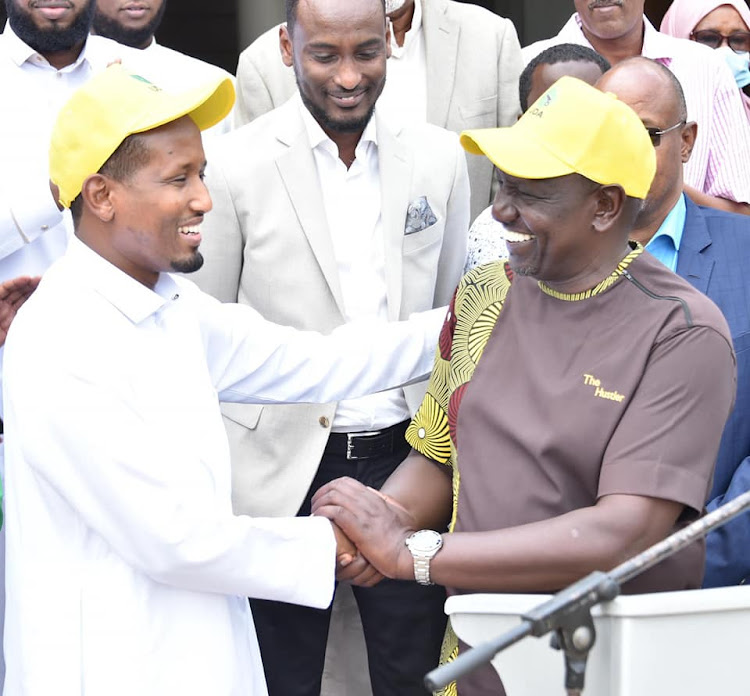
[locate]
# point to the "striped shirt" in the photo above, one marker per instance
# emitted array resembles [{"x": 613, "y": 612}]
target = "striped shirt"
[{"x": 720, "y": 163}]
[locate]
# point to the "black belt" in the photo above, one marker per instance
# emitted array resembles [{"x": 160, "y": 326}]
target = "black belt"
[{"x": 365, "y": 445}]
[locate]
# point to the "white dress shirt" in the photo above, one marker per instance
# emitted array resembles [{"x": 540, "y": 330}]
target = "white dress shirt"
[
  {"x": 352, "y": 203},
  {"x": 127, "y": 571},
  {"x": 33, "y": 232},
  {"x": 405, "y": 92}
]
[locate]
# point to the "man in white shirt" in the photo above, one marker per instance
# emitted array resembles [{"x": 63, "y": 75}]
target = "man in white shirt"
[
  {"x": 127, "y": 569},
  {"x": 134, "y": 24},
  {"x": 337, "y": 213},
  {"x": 452, "y": 64}
]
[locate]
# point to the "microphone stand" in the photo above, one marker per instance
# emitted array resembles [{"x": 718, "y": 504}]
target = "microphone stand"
[{"x": 568, "y": 613}]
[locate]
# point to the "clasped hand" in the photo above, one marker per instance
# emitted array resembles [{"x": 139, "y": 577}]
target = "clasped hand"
[{"x": 370, "y": 532}]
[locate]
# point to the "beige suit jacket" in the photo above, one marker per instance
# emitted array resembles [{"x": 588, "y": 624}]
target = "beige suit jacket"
[
  {"x": 266, "y": 244},
  {"x": 473, "y": 65}
]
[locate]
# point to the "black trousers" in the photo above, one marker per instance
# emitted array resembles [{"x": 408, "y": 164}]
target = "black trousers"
[{"x": 403, "y": 622}]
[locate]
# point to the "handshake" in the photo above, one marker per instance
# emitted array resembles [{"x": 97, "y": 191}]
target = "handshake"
[{"x": 370, "y": 528}]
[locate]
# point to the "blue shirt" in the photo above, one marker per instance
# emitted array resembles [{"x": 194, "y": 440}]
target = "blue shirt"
[{"x": 665, "y": 244}]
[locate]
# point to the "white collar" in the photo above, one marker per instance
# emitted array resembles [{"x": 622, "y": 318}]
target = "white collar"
[
  {"x": 20, "y": 52},
  {"x": 414, "y": 30},
  {"x": 317, "y": 137},
  {"x": 131, "y": 298},
  {"x": 655, "y": 44}
]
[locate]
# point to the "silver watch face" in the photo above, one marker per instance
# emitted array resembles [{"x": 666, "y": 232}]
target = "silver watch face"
[{"x": 425, "y": 541}]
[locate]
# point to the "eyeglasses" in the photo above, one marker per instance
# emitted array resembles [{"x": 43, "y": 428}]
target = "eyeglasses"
[
  {"x": 655, "y": 134},
  {"x": 739, "y": 41}
]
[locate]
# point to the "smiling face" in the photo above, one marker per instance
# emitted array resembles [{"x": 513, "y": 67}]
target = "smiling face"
[
  {"x": 50, "y": 26},
  {"x": 610, "y": 19},
  {"x": 338, "y": 49},
  {"x": 130, "y": 22},
  {"x": 153, "y": 216},
  {"x": 549, "y": 225}
]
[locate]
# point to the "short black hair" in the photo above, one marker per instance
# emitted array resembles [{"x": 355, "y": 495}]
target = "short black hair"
[
  {"x": 679, "y": 93},
  {"x": 561, "y": 53},
  {"x": 291, "y": 12},
  {"x": 126, "y": 160}
]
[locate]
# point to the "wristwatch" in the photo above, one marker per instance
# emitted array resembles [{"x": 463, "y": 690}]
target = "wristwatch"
[{"x": 423, "y": 545}]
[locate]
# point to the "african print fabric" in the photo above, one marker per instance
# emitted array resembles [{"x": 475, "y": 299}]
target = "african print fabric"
[{"x": 468, "y": 325}]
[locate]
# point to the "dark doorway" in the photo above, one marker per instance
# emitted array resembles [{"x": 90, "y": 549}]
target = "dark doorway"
[{"x": 206, "y": 30}]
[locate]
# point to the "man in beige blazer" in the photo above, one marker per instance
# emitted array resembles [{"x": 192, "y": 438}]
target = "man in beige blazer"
[
  {"x": 326, "y": 211},
  {"x": 470, "y": 57}
]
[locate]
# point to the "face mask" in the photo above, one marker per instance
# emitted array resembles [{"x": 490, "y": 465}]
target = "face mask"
[
  {"x": 392, "y": 6},
  {"x": 738, "y": 64}
]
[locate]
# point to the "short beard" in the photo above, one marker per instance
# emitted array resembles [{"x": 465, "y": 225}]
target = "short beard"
[
  {"x": 135, "y": 38},
  {"x": 190, "y": 265},
  {"x": 331, "y": 125},
  {"x": 52, "y": 40}
]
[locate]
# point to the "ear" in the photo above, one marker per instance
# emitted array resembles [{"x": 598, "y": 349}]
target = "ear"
[
  {"x": 285, "y": 46},
  {"x": 688, "y": 135},
  {"x": 96, "y": 192},
  {"x": 609, "y": 202},
  {"x": 387, "y": 37}
]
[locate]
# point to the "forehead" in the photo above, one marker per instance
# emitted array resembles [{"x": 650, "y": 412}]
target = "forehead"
[
  {"x": 339, "y": 20},
  {"x": 559, "y": 186},
  {"x": 724, "y": 18},
  {"x": 546, "y": 75},
  {"x": 178, "y": 142}
]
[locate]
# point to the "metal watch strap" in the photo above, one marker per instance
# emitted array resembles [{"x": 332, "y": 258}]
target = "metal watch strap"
[{"x": 422, "y": 570}]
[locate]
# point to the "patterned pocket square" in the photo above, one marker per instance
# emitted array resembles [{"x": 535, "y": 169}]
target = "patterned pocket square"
[{"x": 419, "y": 216}]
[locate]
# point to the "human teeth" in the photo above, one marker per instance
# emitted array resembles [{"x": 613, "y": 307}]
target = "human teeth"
[
  {"x": 195, "y": 229},
  {"x": 516, "y": 236}
]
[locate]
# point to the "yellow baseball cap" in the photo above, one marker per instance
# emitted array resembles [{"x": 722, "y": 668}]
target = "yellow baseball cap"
[
  {"x": 573, "y": 128},
  {"x": 113, "y": 105}
]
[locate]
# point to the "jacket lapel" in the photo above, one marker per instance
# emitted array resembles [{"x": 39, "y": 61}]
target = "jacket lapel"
[
  {"x": 395, "y": 164},
  {"x": 694, "y": 262},
  {"x": 299, "y": 173},
  {"x": 441, "y": 50}
]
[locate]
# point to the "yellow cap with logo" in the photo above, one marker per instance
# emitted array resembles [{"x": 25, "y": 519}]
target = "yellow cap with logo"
[
  {"x": 573, "y": 128},
  {"x": 113, "y": 105}
]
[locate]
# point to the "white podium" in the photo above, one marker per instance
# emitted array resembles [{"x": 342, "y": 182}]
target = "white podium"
[{"x": 671, "y": 643}]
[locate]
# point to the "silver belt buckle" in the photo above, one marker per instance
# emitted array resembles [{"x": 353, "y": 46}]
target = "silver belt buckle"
[
  {"x": 350, "y": 442},
  {"x": 350, "y": 447}
]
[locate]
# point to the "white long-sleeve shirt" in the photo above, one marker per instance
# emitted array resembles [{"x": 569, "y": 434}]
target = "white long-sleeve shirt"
[{"x": 127, "y": 571}]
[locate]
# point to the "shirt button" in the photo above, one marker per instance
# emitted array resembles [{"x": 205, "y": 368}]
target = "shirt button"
[
  {"x": 324, "y": 422},
  {"x": 176, "y": 296},
  {"x": 45, "y": 228}
]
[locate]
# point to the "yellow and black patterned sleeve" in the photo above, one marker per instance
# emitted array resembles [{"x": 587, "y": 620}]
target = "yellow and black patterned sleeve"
[
  {"x": 473, "y": 311},
  {"x": 428, "y": 431}
]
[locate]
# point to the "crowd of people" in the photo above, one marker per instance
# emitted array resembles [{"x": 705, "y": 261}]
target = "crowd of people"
[{"x": 245, "y": 322}]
